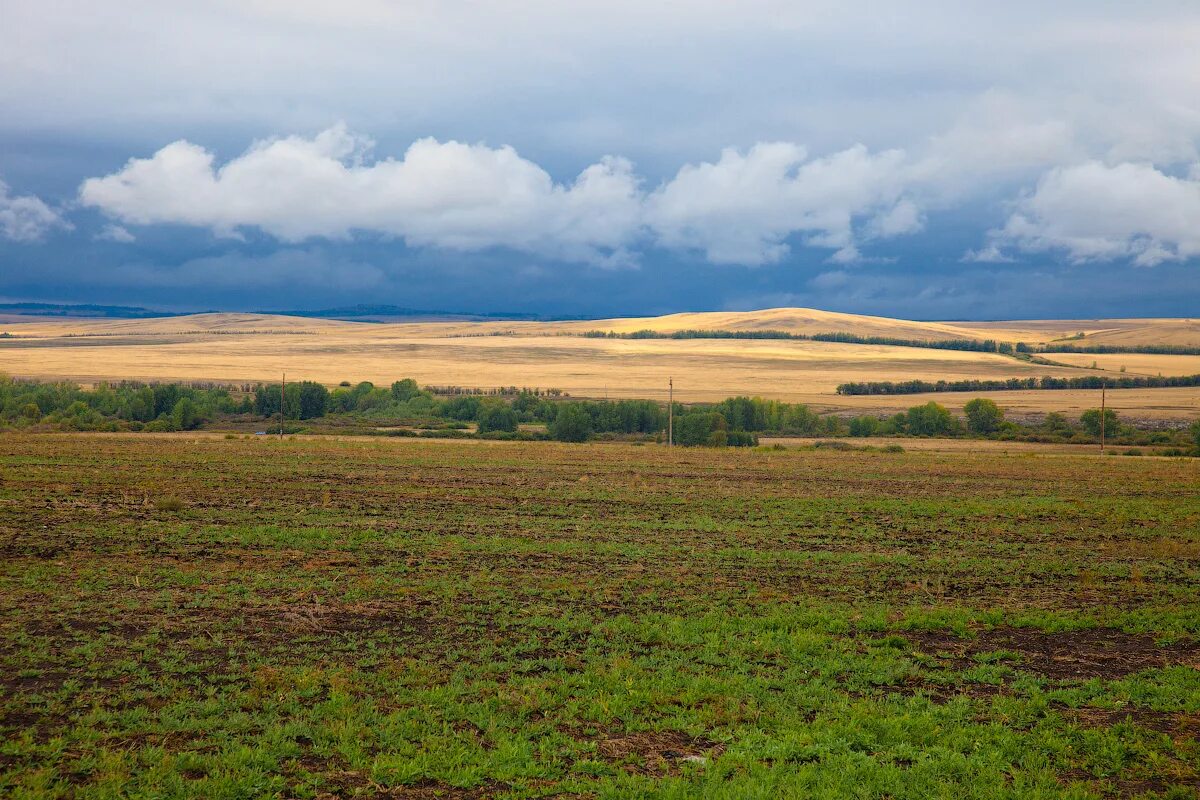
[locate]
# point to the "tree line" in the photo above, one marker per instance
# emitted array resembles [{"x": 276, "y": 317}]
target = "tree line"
[
  {"x": 406, "y": 408},
  {"x": 976, "y": 345},
  {"x": 127, "y": 405},
  {"x": 1014, "y": 384},
  {"x": 969, "y": 345},
  {"x": 1099, "y": 349}
]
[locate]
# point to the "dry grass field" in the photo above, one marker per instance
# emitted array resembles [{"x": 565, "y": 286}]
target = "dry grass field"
[{"x": 255, "y": 347}]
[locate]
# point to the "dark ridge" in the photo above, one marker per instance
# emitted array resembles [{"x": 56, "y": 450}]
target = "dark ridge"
[
  {"x": 367, "y": 312},
  {"x": 86, "y": 310}
]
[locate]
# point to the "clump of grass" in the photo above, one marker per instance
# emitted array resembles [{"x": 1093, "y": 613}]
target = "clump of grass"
[
  {"x": 231, "y": 436},
  {"x": 893, "y": 448},
  {"x": 168, "y": 504}
]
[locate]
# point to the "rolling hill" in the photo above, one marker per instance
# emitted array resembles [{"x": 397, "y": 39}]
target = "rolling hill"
[{"x": 245, "y": 348}]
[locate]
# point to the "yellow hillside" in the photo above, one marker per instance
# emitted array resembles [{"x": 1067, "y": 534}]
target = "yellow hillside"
[{"x": 257, "y": 347}]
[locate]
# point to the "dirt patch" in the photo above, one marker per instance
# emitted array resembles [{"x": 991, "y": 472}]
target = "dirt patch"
[
  {"x": 941, "y": 693},
  {"x": 1126, "y": 787},
  {"x": 655, "y": 753},
  {"x": 359, "y": 786},
  {"x": 319, "y": 618},
  {"x": 1177, "y": 726},
  {"x": 40, "y": 726},
  {"x": 1066, "y": 656}
]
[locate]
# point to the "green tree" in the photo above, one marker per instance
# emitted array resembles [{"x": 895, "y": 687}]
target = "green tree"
[
  {"x": 983, "y": 416},
  {"x": 185, "y": 416},
  {"x": 373, "y": 399},
  {"x": 572, "y": 423},
  {"x": 1195, "y": 429},
  {"x": 701, "y": 428},
  {"x": 1090, "y": 420},
  {"x": 864, "y": 426},
  {"x": 526, "y": 403},
  {"x": 930, "y": 419},
  {"x": 405, "y": 389},
  {"x": 312, "y": 400},
  {"x": 462, "y": 408},
  {"x": 266, "y": 400},
  {"x": 497, "y": 417}
]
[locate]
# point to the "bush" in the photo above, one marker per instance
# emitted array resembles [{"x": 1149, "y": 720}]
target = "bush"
[
  {"x": 743, "y": 439},
  {"x": 1195, "y": 431},
  {"x": 983, "y": 416}
]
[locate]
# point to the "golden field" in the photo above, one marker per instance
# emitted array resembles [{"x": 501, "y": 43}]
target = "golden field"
[{"x": 256, "y": 347}]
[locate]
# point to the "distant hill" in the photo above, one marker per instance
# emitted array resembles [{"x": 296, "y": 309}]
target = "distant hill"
[
  {"x": 422, "y": 323},
  {"x": 87, "y": 310},
  {"x": 391, "y": 313}
]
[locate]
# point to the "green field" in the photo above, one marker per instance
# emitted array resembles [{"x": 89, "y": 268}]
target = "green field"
[{"x": 233, "y": 618}]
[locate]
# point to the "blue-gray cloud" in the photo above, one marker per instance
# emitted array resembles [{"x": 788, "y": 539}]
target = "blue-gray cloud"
[{"x": 26, "y": 218}]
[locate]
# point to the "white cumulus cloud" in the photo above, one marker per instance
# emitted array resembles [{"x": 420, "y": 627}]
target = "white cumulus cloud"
[
  {"x": 25, "y": 218},
  {"x": 741, "y": 208},
  {"x": 442, "y": 194},
  {"x": 1095, "y": 211}
]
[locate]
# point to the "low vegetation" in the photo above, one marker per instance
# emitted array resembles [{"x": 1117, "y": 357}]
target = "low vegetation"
[{"x": 196, "y": 617}]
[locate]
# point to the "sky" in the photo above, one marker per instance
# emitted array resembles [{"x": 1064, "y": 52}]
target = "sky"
[{"x": 928, "y": 160}]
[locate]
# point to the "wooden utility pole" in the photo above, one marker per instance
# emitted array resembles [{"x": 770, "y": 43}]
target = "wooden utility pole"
[
  {"x": 1103, "y": 414},
  {"x": 282, "y": 395},
  {"x": 670, "y": 412}
]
